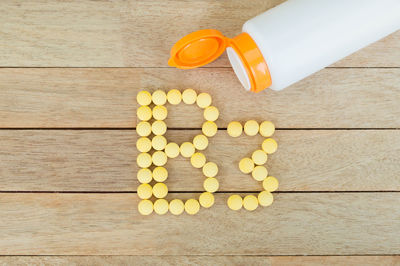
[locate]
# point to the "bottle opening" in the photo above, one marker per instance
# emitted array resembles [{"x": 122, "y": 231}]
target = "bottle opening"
[{"x": 238, "y": 68}]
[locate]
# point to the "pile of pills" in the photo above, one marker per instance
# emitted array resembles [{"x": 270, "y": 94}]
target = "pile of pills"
[
  {"x": 155, "y": 151},
  {"x": 255, "y": 164}
]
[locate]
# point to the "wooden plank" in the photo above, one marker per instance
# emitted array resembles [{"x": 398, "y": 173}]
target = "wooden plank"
[
  {"x": 103, "y": 160},
  {"x": 344, "y": 98},
  {"x": 133, "y": 33},
  {"x": 202, "y": 260},
  {"x": 109, "y": 224}
]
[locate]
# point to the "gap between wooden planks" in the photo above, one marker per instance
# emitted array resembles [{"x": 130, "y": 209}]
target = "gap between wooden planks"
[
  {"x": 109, "y": 224},
  {"x": 104, "y": 160},
  {"x": 64, "y": 98},
  {"x": 134, "y": 33}
]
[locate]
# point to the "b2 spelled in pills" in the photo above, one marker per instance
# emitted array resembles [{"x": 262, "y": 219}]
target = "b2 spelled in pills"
[{"x": 154, "y": 149}]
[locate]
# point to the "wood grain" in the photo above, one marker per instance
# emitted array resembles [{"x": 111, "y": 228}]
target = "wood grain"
[
  {"x": 200, "y": 260},
  {"x": 133, "y": 33},
  {"x": 332, "y": 98},
  {"x": 104, "y": 160},
  {"x": 109, "y": 224}
]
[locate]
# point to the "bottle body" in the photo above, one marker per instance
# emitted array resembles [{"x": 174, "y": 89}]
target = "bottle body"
[{"x": 300, "y": 37}]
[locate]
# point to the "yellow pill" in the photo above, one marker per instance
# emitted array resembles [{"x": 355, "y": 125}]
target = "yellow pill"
[
  {"x": 246, "y": 165},
  {"x": 200, "y": 142},
  {"x": 160, "y": 112},
  {"x": 210, "y": 169},
  {"x": 159, "y": 142},
  {"x": 187, "y": 149},
  {"x": 235, "y": 129},
  {"x": 159, "y": 127},
  {"x": 209, "y": 128},
  {"x": 192, "y": 206},
  {"x": 159, "y": 97},
  {"x": 159, "y": 158},
  {"x": 144, "y": 175},
  {"x": 176, "y": 206},
  {"x": 235, "y": 202},
  {"x": 189, "y": 96},
  {"x": 144, "y": 191},
  {"x": 198, "y": 160},
  {"x": 160, "y": 174},
  {"x": 144, "y": 113},
  {"x": 270, "y": 184},
  {"x": 143, "y": 129},
  {"x": 267, "y": 129},
  {"x": 161, "y": 206},
  {"x": 269, "y": 145},
  {"x": 172, "y": 150},
  {"x": 143, "y": 98},
  {"x": 259, "y": 157},
  {"x": 259, "y": 173},
  {"x": 145, "y": 207},
  {"x": 143, "y": 160},
  {"x": 160, "y": 190},
  {"x": 206, "y": 199},
  {"x": 251, "y": 128},
  {"x": 211, "y": 113},
  {"x": 211, "y": 184},
  {"x": 143, "y": 144},
  {"x": 265, "y": 198},
  {"x": 174, "y": 97},
  {"x": 203, "y": 100},
  {"x": 250, "y": 202}
]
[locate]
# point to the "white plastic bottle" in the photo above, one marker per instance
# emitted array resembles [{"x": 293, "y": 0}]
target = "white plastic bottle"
[{"x": 293, "y": 40}]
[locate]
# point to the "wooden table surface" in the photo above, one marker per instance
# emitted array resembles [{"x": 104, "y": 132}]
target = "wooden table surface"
[{"x": 70, "y": 72}]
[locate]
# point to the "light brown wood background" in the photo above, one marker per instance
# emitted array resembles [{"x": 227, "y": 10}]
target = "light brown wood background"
[{"x": 69, "y": 74}]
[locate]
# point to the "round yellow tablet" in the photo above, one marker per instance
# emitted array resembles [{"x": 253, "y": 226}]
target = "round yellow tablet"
[
  {"x": 267, "y": 129},
  {"x": 250, "y": 202},
  {"x": 203, "y": 100},
  {"x": 160, "y": 190},
  {"x": 144, "y": 175},
  {"x": 143, "y": 129},
  {"x": 144, "y": 191},
  {"x": 172, "y": 150},
  {"x": 211, "y": 113},
  {"x": 259, "y": 173},
  {"x": 143, "y": 144},
  {"x": 145, "y": 207},
  {"x": 198, "y": 160},
  {"x": 251, "y": 128},
  {"x": 246, "y": 165},
  {"x": 235, "y": 202},
  {"x": 269, "y": 145},
  {"x": 159, "y": 97},
  {"x": 160, "y": 112},
  {"x": 189, "y": 96},
  {"x": 206, "y": 199},
  {"x": 143, "y": 160},
  {"x": 200, "y": 142},
  {"x": 192, "y": 206},
  {"x": 265, "y": 198},
  {"x": 211, "y": 184},
  {"x": 235, "y": 129},
  {"x": 161, "y": 206},
  {"x": 259, "y": 157},
  {"x": 176, "y": 206},
  {"x": 210, "y": 169},
  {"x": 160, "y": 174},
  {"x": 270, "y": 184},
  {"x": 159, "y": 158},
  {"x": 187, "y": 149},
  {"x": 159, "y": 142},
  {"x": 159, "y": 127},
  {"x": 143, "y": 98},
  {"x": 144, "y": 113},
  {"x": 174, "y": 97},
  {"x": 209, "y": 128}
]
